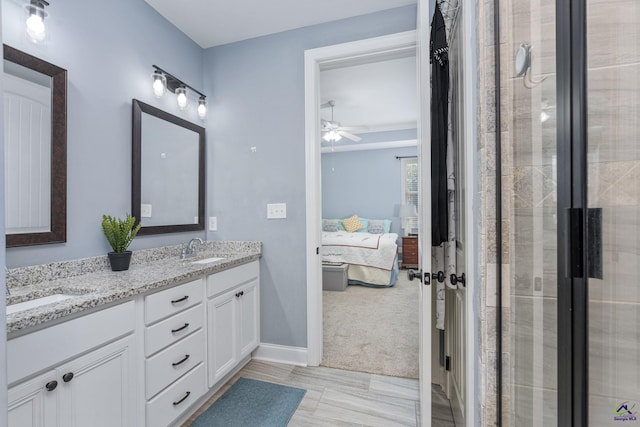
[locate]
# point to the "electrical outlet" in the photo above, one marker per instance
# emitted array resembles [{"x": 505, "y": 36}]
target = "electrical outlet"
[
  {"x": 145, "y": 210},
  {"x": 276, "y": 211},
  {"x": 213, "y": 223}
]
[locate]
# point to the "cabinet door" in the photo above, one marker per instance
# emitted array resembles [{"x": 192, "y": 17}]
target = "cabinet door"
[
  {"x": 34, "y": 403},
  {"x": 222, "y": 334},
  {"x": 96, "y": 389},
  {"x": 249, "y": 318}
]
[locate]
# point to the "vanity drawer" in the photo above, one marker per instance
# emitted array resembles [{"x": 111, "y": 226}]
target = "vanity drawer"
[
  {"x": 220, "y": 282},
  {"x": 170, "y": 301},
  {"x": 173, "y": 362},
  {"x": 170, "y": 330},
  {"x": 172, "y": 402}
]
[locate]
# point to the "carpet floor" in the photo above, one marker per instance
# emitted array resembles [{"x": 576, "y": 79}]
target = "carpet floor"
[{"x": 373, "y": 330}]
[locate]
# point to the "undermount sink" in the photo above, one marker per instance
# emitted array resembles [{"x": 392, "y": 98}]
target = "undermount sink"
[
  {"x": 207, "y": 260},
  {"x": 37, "y": 302}
]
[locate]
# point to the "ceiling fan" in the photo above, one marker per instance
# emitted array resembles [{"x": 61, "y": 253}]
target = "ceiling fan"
[{"x": 332, "y": 131}]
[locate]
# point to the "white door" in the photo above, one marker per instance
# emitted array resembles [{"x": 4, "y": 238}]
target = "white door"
[
  {"x": 424, "y": 159},
  {"x": 456, "y": 299},
  {"x": 34, "y": 403},
  {"x": 97, "y": 389},
  {"x": 222, "y": 334},
  {"x": 249, "y": 318}
]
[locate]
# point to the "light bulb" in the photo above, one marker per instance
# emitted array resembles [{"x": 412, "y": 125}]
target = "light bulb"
[
  {"x": 158, "y": 84},
  {"x": 181, "y": 94},
  {"x": 202, "y": 108},
  {"x": 35, "y": 24}
]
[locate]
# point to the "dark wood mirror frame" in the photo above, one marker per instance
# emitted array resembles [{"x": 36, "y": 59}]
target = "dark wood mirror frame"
[
  {"x": 136, "y": 176},
  {"x": 58, "y": 233}
]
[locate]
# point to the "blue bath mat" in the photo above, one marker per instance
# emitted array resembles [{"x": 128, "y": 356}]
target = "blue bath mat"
[{"x": 252, "y": 403}]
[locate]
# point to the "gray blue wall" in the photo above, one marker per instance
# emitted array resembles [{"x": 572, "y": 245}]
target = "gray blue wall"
[
  {"x": 366, "y": 183},
  {"x": 256, "y": 94},
  {"x": 108, "y": 55}
]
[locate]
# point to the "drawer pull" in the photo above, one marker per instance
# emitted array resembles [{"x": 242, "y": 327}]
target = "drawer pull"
[
  {"x": 186, "y": 325},
  {"x": 184, "y": 298},
  {"x": 181, "y": 361},
  {"x": 51, "y": 385},
  {"x": 67, "y": 377},
  {"x": 182, "y": 400},
  {"x": 239, "y": 294}
]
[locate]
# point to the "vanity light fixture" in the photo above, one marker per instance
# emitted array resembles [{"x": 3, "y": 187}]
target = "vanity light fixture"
[
  {"x": 36, "y": 30},
  {"x": 163, "y": 81}
]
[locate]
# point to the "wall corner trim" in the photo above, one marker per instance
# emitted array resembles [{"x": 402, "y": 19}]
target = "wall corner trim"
[{"x": 281, "y": 354}]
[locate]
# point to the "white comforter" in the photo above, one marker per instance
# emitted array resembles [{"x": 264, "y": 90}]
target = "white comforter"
[{"x": 365, "y": 249}]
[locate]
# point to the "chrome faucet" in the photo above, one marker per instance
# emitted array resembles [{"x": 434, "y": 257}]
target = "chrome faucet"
[{"x": 190, "y": 250}]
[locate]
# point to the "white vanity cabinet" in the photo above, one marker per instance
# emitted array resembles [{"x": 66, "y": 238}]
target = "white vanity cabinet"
[
  {"x": 89, "y": 381},
  {"x": 233, "y": 318},
  {"x": 174, "y": 348}
]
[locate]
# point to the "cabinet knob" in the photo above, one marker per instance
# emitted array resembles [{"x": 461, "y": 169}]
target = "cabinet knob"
[
  {"x": 67, "y": 377},
  {"x": 51, "y": 385}
]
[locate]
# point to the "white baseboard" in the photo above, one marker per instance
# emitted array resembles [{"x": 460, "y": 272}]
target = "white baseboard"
[{"x": 281, "y": 354}]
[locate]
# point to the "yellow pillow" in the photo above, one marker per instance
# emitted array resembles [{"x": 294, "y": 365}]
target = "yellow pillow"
[{"x": 352, "y": 224}]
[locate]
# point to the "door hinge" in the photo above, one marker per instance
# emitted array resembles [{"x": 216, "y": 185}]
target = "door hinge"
[
  {"x": 318, "y": 251},
  {"x": 447, "y": 363}
]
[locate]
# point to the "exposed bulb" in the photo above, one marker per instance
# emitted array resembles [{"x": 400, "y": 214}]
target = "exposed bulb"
[
  {"x": 202, "y": 108},
  {"x": 35, "y": 26},
  {"x": 181, "y": 94},
  {"x": 158, "y": 84}
]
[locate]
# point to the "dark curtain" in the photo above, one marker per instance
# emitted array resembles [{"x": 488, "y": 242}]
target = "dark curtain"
[{"x": 439, "y": 122}]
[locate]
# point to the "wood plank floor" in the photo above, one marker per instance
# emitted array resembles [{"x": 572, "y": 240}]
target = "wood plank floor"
[{"x": 336, "y": 397}]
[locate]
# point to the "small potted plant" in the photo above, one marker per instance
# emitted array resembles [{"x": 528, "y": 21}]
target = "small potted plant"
[{"x": 119, "y": 234}]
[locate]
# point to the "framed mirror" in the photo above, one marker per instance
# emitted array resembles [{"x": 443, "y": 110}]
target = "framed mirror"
[
  {"x": 168, "y": 161},
  {"x": 35, "y": 137}
]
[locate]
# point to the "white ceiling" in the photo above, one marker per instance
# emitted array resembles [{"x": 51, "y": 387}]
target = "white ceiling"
[
  {"x": 380, "y": 95},
  {"x": 216, "y": 22}
]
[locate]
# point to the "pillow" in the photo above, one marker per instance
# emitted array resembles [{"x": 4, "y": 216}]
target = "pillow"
[
  {"x": 352, "y": 224},
  {"x": 365, "y": 225},
  {"x": 330, "y": 225},
  {"x": 376, "y": 226},
  {"x": 387, "y": 225}
]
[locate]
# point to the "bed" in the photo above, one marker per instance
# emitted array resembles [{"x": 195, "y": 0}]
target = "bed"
[{"x": 372, "y": 256}]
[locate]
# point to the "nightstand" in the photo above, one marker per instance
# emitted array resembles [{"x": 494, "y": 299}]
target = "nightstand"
[{"x": 410, "y": 252}]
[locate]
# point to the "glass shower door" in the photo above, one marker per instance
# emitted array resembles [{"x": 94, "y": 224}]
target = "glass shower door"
[
  {"x": 613, "y": 184},
  {"x": 529, "y": 213}
]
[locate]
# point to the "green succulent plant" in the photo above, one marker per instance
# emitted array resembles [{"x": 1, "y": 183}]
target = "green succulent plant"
[{"x": 119, "y": 232}]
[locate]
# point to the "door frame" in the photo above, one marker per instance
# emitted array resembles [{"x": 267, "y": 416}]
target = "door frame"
[{"x": 314, "y": 59}]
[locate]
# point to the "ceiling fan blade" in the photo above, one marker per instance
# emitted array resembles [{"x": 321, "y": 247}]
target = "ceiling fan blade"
[{"x": 350, "y": 136}]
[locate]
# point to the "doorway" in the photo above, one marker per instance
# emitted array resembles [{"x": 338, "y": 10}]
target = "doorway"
[{"x": 369, "y": 122}]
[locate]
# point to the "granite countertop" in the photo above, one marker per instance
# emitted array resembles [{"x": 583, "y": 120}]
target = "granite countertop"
[{"x": 99, "y": 285}]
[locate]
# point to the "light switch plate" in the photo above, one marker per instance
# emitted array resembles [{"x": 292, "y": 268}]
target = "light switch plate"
[
  {"x": 276, "y": 211},
  {"x": 213, "y": 223}
]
